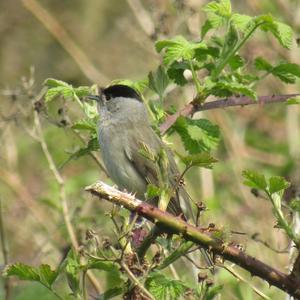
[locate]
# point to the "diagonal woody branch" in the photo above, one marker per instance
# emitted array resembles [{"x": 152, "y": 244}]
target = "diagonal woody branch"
[
  {"x": 193, "y": 106},
  {"x": 169, "y": 223}
]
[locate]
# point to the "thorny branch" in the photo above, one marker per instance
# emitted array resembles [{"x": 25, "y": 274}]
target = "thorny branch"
[
  {"x": 193, "y": 106},
  {"x": 171, "y": 224}
]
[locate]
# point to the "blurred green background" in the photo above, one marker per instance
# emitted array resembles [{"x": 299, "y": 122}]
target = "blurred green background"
[{"x": 86, "y": 42}]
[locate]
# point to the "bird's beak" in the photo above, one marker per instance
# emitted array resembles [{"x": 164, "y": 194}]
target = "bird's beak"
[{"x": 94, "y": 97}]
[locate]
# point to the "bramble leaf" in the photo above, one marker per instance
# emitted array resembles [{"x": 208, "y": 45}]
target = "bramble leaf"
[
  {"x": 277, "y": 184},
  {"x": 197, "y": 135},
  {"x": 22, "y": 271},
  {"x": 241, "y": 22},
  {"x": 138, "y": 85},
  {"x": 203, "y": 159},
  {"x": 158, "y": 81},
  {"x": 51, "y": 82},
  {"x": 226, "y": 89},
  {"x": 236, "y": 62},
  {"x": 176, "y": 70},
  {"x": 72, "y": 269},
  {"x": 86, "y": 124},
  {"x": 282, "y": 32},
  {"x": 287, "y": 72},
  {"x": 218, "y": 13},
  {"x": 164, "y": 288},
  {"x": 42, "y": 274},
  {"x": 262, "y": 65},
  {"x": 255, "y": 180},
  {"x": 177, "y": 49}
]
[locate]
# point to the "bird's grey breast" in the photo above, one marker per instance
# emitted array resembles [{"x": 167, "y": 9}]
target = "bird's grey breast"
[{"x": 115, "y": 134}]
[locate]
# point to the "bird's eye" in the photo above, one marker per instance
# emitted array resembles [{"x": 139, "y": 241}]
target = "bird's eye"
[{"x": 108, "y": 97}]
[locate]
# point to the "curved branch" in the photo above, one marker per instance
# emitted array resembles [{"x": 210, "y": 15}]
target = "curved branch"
[
  {"x": 193, "y": 106},
  {"x": 169, "y": 223}
]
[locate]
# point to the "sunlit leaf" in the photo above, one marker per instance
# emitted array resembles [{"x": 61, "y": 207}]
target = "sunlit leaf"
[
  {"x": 255, "y": 180},
  {"x": 164, "y": 288},
  {"x": 277, "y": 184}
]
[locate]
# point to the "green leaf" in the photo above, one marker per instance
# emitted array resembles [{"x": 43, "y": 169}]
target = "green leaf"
[
  {"x": 86, "y": 124},
  {"x": 287, "y": 72},
  {"x": 236, "y": 62},
  {"x": 158, "y": 81},
  {"x": 295, "y": 205},
  {"x": 231, "y": 40},
  {"x": 47, "y": 276},
  {"x": 203, "y": 159},
  {"x": 218, "y": 12},
  {"x": 106, "y": 266},
  {"x": 51, "y": 82},
  {"x": 255, "y": 180},
  {"x": 295, "y": 100},
  {"x": 138, "y": 85},
  {"x": 262, "y": 65},
  {"x": 282, "y": 32},
  {"x": 176, "y": 254},
  {"x": 54, "y": 92},
  {"x": 176, "y": 70},
  {"x": 226, "y": 89},
  {"x": 213, "y": 292},
  {"x": 206, "y": 27},
  {"x": 202, "y": 53},
  {"x": 90, "y": 109},
  {"x": 197, "y": 135},
  {"x": 157, "y": 110},
  {"x": 42, "y": 274},
  {"x": 177, "y": 49},
  {"x": 93, "y": 145},
  {"x": 72, "y": 269},
  {"x": 152, "y": 191},
  {"x": 241, "y": 22},
  {"x": 164, "y": 288},
  {"x": 83, "y": 91},
  {"x": 277, "y": 184},
  {"x": 22, "y": 271}
]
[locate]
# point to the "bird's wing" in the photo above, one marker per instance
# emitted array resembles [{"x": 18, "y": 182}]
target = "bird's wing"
[{"x": 147, "y": 168}]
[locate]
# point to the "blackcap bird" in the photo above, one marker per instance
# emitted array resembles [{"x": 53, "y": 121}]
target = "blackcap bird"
[{"x": 124, "y": 128}]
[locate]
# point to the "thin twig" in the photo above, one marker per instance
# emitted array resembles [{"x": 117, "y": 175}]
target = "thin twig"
[
  {"x": 91, "y": 154},
  {"x": 193, "y": 107},
  {"x": 4, "y": 251},
  {"x": 135, "y": 281},
  {"x": 63, "y": 198},
  {"x": 240, "y": 278}
]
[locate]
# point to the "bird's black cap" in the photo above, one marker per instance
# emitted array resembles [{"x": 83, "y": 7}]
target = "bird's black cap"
[{"x": 120, "y": 90}]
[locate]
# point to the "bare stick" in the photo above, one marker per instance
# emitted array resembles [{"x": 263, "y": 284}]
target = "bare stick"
[
  {"x": 193, "y": 107},
  {"x": 4, "y": 252},
  {"x": 169, "y": 223},
  {"x": 136, "y": 282},
  {"x": 63, "y": 198}
]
